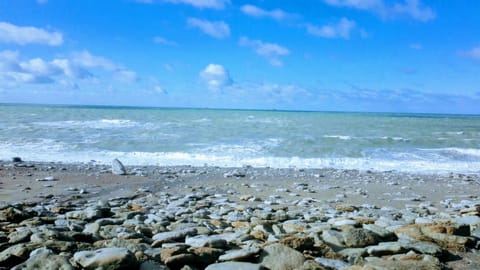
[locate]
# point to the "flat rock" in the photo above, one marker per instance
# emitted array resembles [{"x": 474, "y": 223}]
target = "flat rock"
[
  {"x": 281, "y": 257},
  {"x": 173, "y": 236},
  {"x": 105, "y": 258},
  {"x": 214, "y": 241},
  {"x": 235, "y": 266},
  {"x": 239, "y": 254},
  {"x": 45, "y": 259},
  {"x": 385, "y": 248}
]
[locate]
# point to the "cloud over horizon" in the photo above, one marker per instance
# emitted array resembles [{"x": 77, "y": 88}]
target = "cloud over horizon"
[{"x": 216, "y": 77}]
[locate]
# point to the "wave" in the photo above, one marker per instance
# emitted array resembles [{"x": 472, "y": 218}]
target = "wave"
[
  {"x": 235, "y": 156},
  {"x": 95, "y": 124},
  {"x": 340, "y": 137}
]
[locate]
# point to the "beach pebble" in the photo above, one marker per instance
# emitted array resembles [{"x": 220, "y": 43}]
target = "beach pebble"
[
  {"x": 105, "y": 258},
  {"x": 118, "y": 168}
]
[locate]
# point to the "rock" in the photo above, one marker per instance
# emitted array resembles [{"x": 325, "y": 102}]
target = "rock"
[
  {"x": 333, "y": 237},
  {"x": 14, "y": 255},
  {"x": 299, "y": 243},
  {"x": 386, "y": 248},
  {"x": 180, "y": 260},
  {"x": 44, "y": 259},
  {"x": 118, "y": 168},
  {"x": 235, "y": 173},
  {"x": 294, "y": 226},
  {"x": 281, "y": 257},
  {"x": 239, "y": 254},
  {"x": 359, "y": 238},
  {"x": 206, "y": 255},
  {"x": 448, "y": 237},
  {"x": 12, "y": 214},
  {"x": 152, "y": 265},
  {"x": 17, "y": 159},
  {"x": 234, "y": 266},
  {"x": 214, "y": 241},
  {"x": 332, "y": 263},
  {"x": 383, "y": 234},
  {"x": 19, "y": 236},
  {"x": 105, "y": 258},
  {"x": 173, "y": 236}
]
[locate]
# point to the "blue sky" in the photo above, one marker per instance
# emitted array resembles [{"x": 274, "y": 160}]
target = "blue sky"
[{"x": 340, "y": 55}]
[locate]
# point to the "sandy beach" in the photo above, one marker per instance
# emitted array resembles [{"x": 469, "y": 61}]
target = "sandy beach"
[{"x": 248, "y": 209}]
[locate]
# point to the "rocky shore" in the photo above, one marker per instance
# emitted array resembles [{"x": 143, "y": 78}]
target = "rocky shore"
[{"x": 88, "y": 216}]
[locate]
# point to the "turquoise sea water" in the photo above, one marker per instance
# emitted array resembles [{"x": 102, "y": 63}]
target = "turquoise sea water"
[{"x": 152, "y": 136}]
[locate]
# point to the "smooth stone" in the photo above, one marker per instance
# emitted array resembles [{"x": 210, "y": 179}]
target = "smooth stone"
[
  {"x": 214, "y": 241},
  {"x": 234, "y": 266},
  {"x": 105, "y": 258},
  {"x": 14, "y": 255},
  {"x": 19, "y": 236},
  {"x": 332, "y": 263},
  {"x": 281, "y": 257},
  {"x": 239, "y": 254},
  {"x": 381, "y": 232},
  {"x": 333, "y": 237},
  {"x": 294, "y": 226},
  {"x": 385, "y": 248},
  {"x": 118, "y": 168},
  {"x": 173, "y": 236},
  {"x": 45, "y": 259}
]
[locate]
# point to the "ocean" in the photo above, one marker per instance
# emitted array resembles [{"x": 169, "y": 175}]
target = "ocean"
[{"x": 232, "y": 138}]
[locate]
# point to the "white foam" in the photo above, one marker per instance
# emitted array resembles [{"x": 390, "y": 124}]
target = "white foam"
[
  {"x": 340, "y": 137},
  {"x": 96, "y": 124},
  {"x": 49, "y": 150}
]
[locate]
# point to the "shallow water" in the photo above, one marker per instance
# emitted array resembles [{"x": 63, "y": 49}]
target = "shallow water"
[{"x": 227, "y": 138}]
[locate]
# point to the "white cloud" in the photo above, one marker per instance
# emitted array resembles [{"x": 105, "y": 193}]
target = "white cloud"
[
  {"x": 164, "y": 41},
  {"x": 270, "y": 51},
  {"x": 412, "y": 8},
  {"x": 85, "y": 59},
  {"x": 255, "y": 11},
  {"x": 217, "y": 29},
  {"x": 358, "y": 4},
  {"x": 341, "y": 29},
  {"x": 23, "y": 35},
  {"x": 473, "y": 53},
  {"x": 215, "y": 76},
  {"x": 80, "y": 66},
  {"x": 213, "y": 4},
  {"x": 126, "y": 75}
]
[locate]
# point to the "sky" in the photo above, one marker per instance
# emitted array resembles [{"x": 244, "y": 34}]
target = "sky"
[{"x": 323, "y": 55}]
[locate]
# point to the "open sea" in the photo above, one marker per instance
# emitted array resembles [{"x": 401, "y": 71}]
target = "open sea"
[{"x": 232, "y": 138}]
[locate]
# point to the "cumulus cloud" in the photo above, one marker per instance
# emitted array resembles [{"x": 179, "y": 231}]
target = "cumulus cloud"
[
  {"x": 216, "y": 29},
  {"x": 473, "y": 53},
  {"x": 270, "y": 51},
  {"x": 22, "y": 35},
  {"x": 164, "y": 41},
  {"x": 341, "y": 29},
  {"x": 215, "y": 76},
  {"x": 412, "y": 8},
  {"x": 86, "y": 60},
  {"x": 81, "y": 65},
  {"x": 201, "y": 4},
  {"x": 255, "y": 11}
]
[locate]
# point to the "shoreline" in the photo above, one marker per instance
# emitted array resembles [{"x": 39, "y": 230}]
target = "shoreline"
[{"x": 156, "y": 215}]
